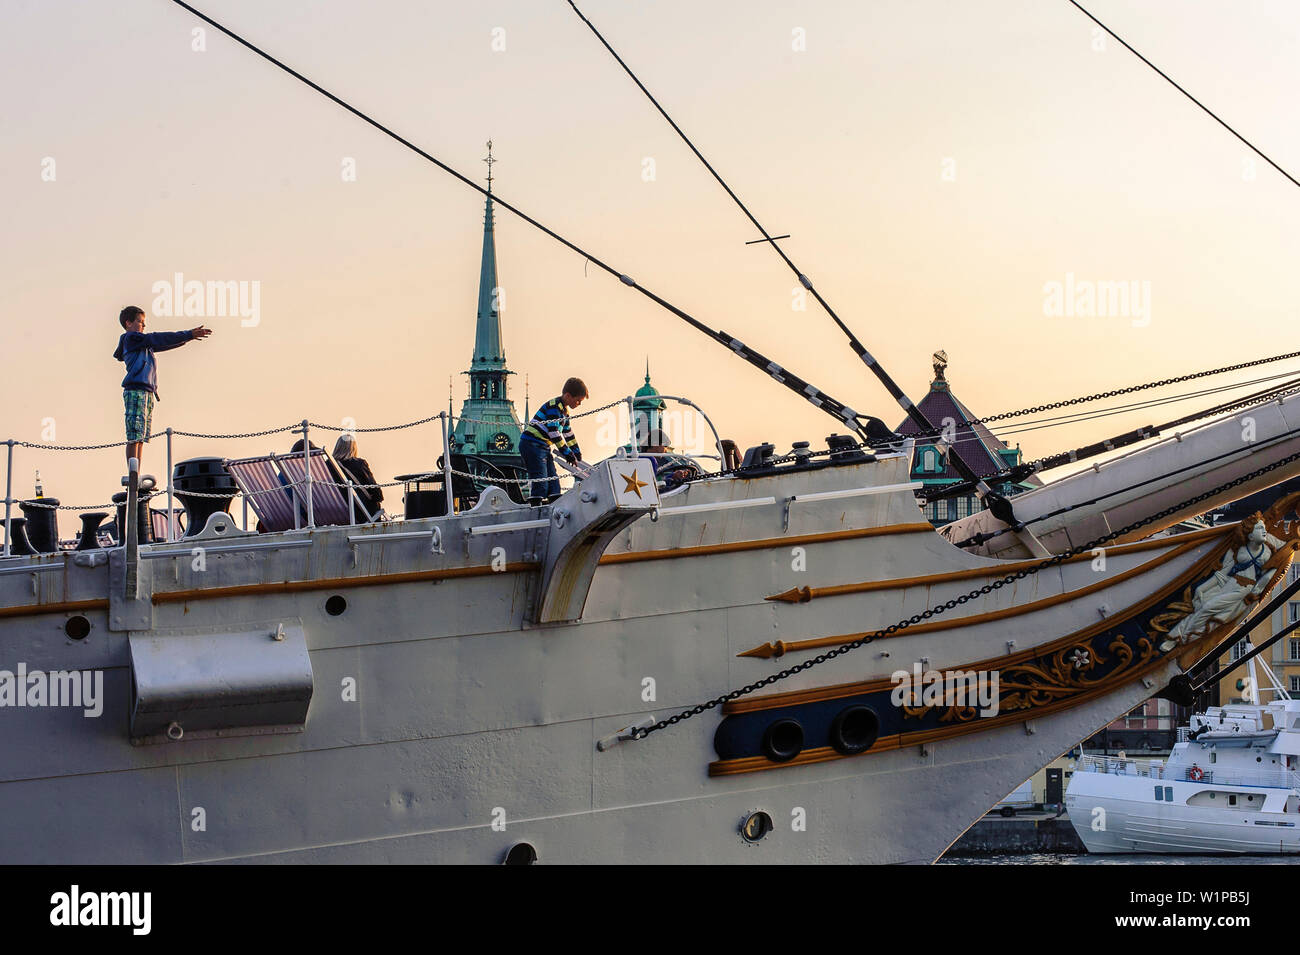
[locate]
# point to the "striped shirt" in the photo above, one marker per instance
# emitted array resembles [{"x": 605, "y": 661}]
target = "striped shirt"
[{"x": 550, "y": 424}]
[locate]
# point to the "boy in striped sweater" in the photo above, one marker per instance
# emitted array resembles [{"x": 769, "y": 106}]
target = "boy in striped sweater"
[{"x": 550, "y": 425}]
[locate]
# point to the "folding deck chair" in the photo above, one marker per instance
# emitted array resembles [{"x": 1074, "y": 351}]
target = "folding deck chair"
[
  {"x": 275, "y": 487},
  {"x": 330, "y": 504},
  {"x": 264, "y": 488},
  {"x": 158, "y": 517}
]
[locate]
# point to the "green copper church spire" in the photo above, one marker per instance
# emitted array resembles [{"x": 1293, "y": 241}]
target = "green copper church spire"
[
  {"x": 489, "y": 355},
  {"x": 488, "y": 425}
]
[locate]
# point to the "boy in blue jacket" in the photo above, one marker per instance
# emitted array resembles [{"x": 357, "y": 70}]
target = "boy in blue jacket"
[{"x": 140, "y": 386}]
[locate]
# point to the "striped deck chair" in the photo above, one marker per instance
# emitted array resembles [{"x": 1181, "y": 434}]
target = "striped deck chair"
[
  {"x": 262, "y": 483},
  {"x": 329, "y": 502},
  {"x": 159, "y": 518}
]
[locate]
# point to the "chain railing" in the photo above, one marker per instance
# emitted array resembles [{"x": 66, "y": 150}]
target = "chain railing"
[
  {"x": 303, "y": 427},
  {"x": 448, "y": 472}
]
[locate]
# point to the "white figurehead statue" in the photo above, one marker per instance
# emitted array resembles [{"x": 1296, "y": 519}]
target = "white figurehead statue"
[{"x": 1235, "y": 587}]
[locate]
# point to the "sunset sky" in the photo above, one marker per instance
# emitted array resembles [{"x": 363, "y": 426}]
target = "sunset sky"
[{"x": 937, "y": 164}]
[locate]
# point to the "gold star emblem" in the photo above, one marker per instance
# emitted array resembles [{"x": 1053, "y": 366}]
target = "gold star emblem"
[{"x": 633, "y": 484}]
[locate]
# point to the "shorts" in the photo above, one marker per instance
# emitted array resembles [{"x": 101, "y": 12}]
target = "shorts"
[{"x": 139, "y": 414}]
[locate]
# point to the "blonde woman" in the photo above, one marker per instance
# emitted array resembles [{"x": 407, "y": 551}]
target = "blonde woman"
[{"x": 345, "y": 453}]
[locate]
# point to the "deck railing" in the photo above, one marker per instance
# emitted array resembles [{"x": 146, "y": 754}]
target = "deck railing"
[
  {"x": 1212, "y": 773},
  {"x": 446, "y": 423}
]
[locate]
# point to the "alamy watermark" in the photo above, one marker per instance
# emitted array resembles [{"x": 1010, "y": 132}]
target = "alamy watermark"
[
  {"x": 1085, "y": 298},
  {"x": 83, "y": 688},
  {"x": 949, "y": 688},
  {"x": 211, "y": 299},
  {"x": 79, "y": 908}
]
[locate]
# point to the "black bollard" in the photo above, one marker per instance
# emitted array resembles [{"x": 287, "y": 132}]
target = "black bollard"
[
  {"x": 42, "y": 524},
  {"x": 90, "y": 521},
  {"x": 207, "y": 476},
  {"x": 144, "y": 521},
  {"x": 19, "y": 545}
]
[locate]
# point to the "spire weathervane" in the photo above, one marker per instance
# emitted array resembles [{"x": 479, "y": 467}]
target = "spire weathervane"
[
  {"x": 940, "y": 364},
  {"x": 489, "y": 162}
]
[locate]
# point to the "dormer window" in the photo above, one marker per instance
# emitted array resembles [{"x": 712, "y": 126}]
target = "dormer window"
[{"x": 928, "y": 460}]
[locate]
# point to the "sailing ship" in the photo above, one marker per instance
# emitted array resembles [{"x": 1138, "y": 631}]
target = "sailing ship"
[{"x": 769, "y": 663}]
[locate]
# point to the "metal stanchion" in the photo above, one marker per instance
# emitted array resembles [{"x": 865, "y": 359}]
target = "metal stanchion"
[
  {"x": 9, "y": 487},
  {"x": 131, "y": 533},
  {"x": 631, "y": 426},
  {"x": 446, "y": 464},
  {"x": 306, "y": 460},
  {"x": 171, "y": 520}
]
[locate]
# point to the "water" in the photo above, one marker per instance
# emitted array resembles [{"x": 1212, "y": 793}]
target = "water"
[{"x": 1061, "y": 858}]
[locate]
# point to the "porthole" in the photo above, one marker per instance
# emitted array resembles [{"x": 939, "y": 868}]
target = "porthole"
[
  {"x": 756, "y": 826},
  {"x": 336, "y": 605},
  {"x": 783, "y": 740},
  {"x": 854, "y": 730},
  {"x": 521, "y": 853},
  {"x": 77, "y": 628}
]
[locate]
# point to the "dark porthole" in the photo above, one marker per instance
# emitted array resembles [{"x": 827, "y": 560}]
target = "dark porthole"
[
  {"x": 756, "y": 826},
  {"x": 854, "y": 730},
  {"x": 521, "y": 853},
  {"x": 336, "y": 605},
  {"x": 77, "y": 628},
  {"x": 783, "y": 740}
]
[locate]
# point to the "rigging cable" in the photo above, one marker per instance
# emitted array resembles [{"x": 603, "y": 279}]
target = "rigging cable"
[
  {"x": 1213, "y": 115},
  {"x": 854, "y": 343},
  {"x": 997, "y": 503},
  {"x": 981, "y": 538},
  {"x": 1021, "y": 472},
  {"x": 1078, "y": 417},
  {"x": 967, "y": 430},
  {"x": 1084, "y": 399},
  {"x": 872, "y": 430}
]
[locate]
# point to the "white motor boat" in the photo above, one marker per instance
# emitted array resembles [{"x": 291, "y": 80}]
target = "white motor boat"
[{"x": 1230, "y": 786}]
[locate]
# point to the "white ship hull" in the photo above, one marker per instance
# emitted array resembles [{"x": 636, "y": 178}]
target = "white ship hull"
[
  {"x": 439, "y": 713},
  {"x": 1119, "y": 814}
]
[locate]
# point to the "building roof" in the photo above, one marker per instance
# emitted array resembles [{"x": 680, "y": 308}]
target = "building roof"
[
  {"x": 647, "y": 396},
  {"x": 976, "y": 444}
]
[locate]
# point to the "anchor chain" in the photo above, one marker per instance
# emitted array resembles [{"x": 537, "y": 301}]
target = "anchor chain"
[{"x": 947, "y": 605}]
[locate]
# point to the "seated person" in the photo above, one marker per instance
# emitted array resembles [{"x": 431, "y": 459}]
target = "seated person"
[
  {"x": 671, "y": 470},
  {"x": 345, "y": 454},
  {"x": 731, "y": 455},
  {"x": 341, "y": 480}
]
